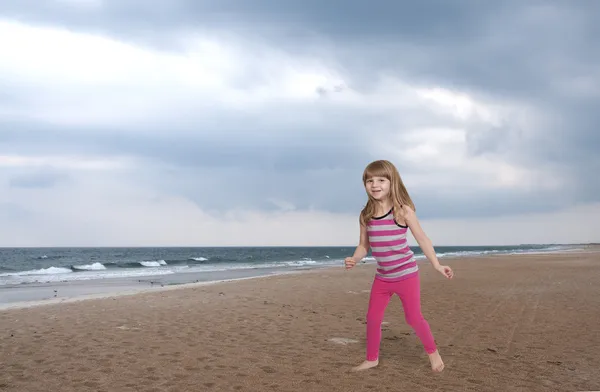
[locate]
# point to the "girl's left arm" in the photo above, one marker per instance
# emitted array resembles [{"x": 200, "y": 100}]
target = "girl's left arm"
[{"x": 424, "y": 242}]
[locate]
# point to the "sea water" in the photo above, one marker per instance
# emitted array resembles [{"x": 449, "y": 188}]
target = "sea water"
[{"x": 94, "y": 270}]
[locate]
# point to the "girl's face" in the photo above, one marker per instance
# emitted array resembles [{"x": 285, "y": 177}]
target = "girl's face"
[{"x": 378, "y": 188}]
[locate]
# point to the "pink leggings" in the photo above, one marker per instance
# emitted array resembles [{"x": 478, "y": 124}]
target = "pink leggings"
[{"x": 409, "y": 291}]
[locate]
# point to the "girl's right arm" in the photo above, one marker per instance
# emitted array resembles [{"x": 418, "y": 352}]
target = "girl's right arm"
[{"x": 361, "y": 250}]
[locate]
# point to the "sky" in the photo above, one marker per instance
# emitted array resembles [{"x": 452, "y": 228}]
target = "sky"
[{"x": 218, "y": 123}]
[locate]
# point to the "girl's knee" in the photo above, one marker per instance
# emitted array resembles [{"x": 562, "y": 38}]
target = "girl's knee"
[
  {"x": 374, "y": 318},
  {"x": 414, "y": 320}
]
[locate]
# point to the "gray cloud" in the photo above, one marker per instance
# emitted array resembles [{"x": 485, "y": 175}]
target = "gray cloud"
[
  {"x": 335, "y": 17},
  {"x": 44, "y": 178},
  {"x": 527, "y": 52}
]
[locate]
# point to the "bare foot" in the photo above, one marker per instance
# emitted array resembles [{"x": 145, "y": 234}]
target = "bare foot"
[
  {"x": 365, "y": 365},
  {"x": 437, "y": 365}
]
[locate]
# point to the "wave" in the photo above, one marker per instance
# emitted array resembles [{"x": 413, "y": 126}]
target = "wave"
[
  {"x": 88, "y": 267},
  {"x": 153, "y": 263},
  {"x": 201, "y": 264},
  {"x": 510, "y": 251},
  {"x": 41, "y": 271}
]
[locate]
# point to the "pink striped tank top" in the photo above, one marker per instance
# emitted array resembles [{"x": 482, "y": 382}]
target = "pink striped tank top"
[{"x": 389, "y": 247}]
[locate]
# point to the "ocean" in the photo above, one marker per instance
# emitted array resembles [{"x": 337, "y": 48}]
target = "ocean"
[{"x": 173, "y": 265}]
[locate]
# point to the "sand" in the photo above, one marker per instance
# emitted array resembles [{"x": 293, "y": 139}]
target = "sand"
[{"x": 506, "y": 323}]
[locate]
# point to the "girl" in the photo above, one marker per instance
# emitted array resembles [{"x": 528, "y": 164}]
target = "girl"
[{"x": 384, "y": 221}]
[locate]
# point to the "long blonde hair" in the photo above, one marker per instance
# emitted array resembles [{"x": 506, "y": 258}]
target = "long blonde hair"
[{"x": 398, "y": 192}]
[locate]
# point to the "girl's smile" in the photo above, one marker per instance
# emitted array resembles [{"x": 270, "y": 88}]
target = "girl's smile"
[{"x": 378, "y": 187}]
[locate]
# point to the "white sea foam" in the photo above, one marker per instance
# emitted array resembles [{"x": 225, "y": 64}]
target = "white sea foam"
[
  {"x": 42, "y": 271},
  {"x": 156, "y": 263},
  {"x": 90, "y": 267},
  {"x": 69, "y": 275}
]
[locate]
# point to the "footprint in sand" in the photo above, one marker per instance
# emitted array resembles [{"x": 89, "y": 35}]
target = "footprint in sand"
[{"x": 344, "y": 341}]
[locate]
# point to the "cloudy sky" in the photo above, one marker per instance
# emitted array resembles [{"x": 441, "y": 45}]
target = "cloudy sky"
[{"x": 233, "y": 122}]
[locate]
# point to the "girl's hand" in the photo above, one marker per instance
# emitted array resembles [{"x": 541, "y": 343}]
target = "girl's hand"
[
  {"x": 349, "y": 262},
  {"x": 446, "y": 271}
]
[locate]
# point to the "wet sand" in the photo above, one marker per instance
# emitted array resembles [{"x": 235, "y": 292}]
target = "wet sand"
[{"x": 504, "y": 323}]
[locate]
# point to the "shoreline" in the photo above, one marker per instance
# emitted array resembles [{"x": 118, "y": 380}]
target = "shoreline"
[{"x": 129, "y": 287}]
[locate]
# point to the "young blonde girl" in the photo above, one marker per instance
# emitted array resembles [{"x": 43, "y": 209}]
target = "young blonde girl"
[{"x": 384, "y": 223}]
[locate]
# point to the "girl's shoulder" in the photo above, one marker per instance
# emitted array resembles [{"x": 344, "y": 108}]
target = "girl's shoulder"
[{"x": 404, "y": 214}]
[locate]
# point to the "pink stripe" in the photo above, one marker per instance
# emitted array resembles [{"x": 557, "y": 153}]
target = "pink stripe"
[
  {"x": 400, "y": 260},
  {"x": 382, "y": 222},
  {"x": 376, "y": 233},
  {"x": 403, "y": 277},
  {"x": 375, "y": 244},
  {"x": 390, "y": 252},
  {"x": 402, "y": 267}
]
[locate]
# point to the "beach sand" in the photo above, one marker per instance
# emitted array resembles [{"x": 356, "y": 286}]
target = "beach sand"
[{"x": 504, "y": 323}]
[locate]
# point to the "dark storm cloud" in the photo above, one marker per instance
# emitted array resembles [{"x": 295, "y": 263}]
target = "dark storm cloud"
[
  {"x": 509, "y": 49},
  {"x": 528, "y": 52},
  {"x": 220, "y": 169},
  {"x": 224, "y": 140},
  {"x": 476, "y": 41},
  {"x": 335, "y": 17}
]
